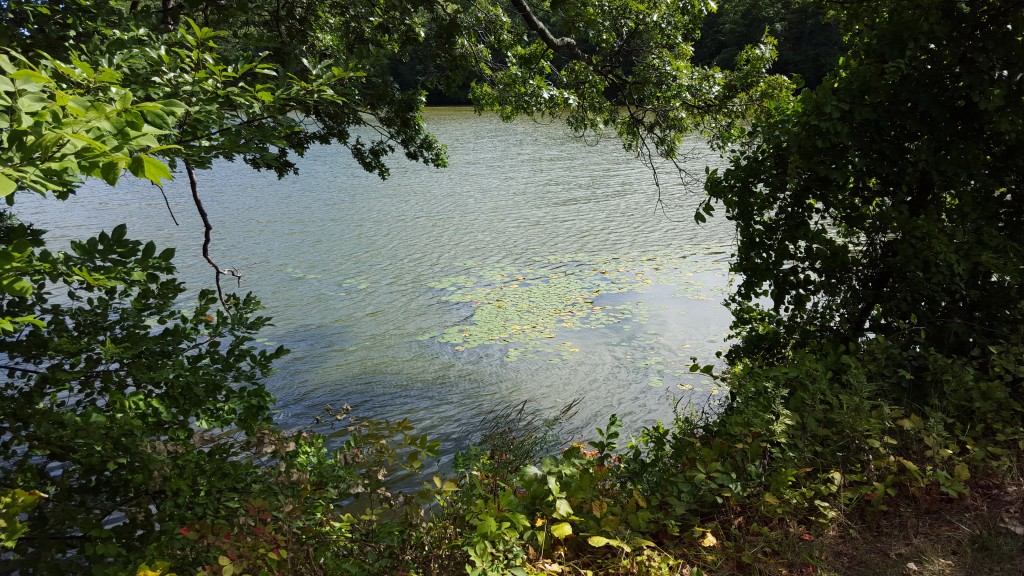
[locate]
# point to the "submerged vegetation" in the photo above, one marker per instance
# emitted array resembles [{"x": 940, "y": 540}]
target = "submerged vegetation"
[{"x": 877, "y": 373}]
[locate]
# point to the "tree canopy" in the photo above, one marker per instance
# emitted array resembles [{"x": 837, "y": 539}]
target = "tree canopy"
[{"x": 885, "y": 203}]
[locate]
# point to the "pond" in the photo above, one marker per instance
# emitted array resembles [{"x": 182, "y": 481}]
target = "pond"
[{"x": 537, "y": 268}]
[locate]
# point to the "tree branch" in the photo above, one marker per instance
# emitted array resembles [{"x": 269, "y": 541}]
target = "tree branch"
[
  {"x": 207, "y": 230},
  {"x": 565, "y": 45},
  {"x": 20, "y": 369},
  {"x": 168, "y": 203},
  {"x": 166, "y": 6}
]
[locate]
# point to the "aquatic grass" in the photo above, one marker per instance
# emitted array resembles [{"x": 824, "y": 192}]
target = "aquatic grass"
[{"x": 512, "y": 436}]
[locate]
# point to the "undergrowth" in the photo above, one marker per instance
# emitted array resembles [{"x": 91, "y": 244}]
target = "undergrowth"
[
  {"x": 799, "y": 453},
  {"x": 799, "y": 464}
]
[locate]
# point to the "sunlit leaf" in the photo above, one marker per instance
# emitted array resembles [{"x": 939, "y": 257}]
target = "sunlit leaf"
[
  {"x": 149, "y": 168},
  {"x": 561, "y": 530}
]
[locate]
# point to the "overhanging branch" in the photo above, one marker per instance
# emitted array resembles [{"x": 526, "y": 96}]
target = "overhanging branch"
[
  {"x": 565, "y": 45},
  {"x": 207, "y": 230}
]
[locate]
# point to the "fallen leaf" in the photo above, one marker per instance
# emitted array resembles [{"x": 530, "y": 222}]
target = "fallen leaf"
[
  {"x": 1012, "y": 525},
  {"x": 550, "y": 567}
]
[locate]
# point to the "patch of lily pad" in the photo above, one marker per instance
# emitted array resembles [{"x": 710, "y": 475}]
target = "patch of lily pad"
[{"x": 533, "y": 309}]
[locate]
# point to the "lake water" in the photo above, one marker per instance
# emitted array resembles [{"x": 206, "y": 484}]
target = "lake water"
[{"x": 536, "y": 268}]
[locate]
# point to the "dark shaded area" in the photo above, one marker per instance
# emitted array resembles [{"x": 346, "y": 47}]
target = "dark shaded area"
[{"x": 807, "y": 45}]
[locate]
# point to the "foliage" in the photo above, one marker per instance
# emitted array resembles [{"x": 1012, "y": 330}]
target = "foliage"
[
  {"x": 14, "y": 503},
  {"x": 624, "y": 66},
  {"x": 146, "y": 429},
  {"x": 324, "y": 509},
  {"x": 261, "y": 80},
  {"x": 106, "y": 402},
  {"x": 798, "y": 450},
  {"x": 883, "y": 202},
  {"x": 879, "y": 354},
  {"x": 64, "y": 121},
  {"x": 808, "y": 46}
]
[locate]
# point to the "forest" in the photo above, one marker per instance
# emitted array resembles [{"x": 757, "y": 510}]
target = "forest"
[{"x": 872, "y": 168}]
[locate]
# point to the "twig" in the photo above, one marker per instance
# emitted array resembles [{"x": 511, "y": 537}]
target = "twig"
[
  {"x": 207, "y": 229},
  {"x": 171, "y": 212},
  {"x": 19, "y": 369}
]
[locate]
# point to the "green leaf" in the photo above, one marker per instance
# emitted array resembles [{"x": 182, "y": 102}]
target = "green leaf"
[
  {"x": 561, "y": 530},
  {"x": 111, "y": 172},
  {"x": 961, "y": 472},
  {"x": 17, "y": 287},
  {"x": 520, "y": 520},
  {"x": 487, "y": 525},
  {"x": 163, "y": 147},
  {"x": 7, "y": 186},
  {"x": 31, "y": 76},
  {"x": 158, "y": 119},
  {"x": 173, "y": 107},
  {"x": 86, "y": 140},
  {"x": 562, "y": 508},
  {"x": 124, "y": 100},
  {"x": 148, "y": 251},
  {"x": 145, "y": 166},
  {"x": 78, "y": 105},
  {"x": 641, "y": 542},
  {"x": 413, "y": 461},
  {"x": 33, "y": 102},
  {"x": 29, "y": 320},
  {"x": 531, "y": 471}
]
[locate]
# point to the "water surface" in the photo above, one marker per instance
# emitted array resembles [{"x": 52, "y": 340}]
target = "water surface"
[{"x": 537, "y": 267}]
